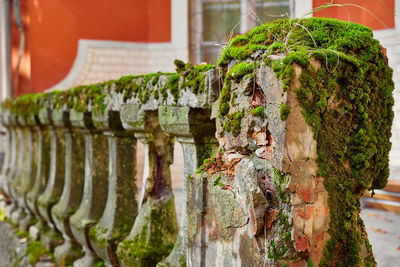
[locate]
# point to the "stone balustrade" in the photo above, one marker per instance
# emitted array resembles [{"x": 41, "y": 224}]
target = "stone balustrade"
[
  {"x": 71, "y": 170},
  {"x": 279, "y": 142}
]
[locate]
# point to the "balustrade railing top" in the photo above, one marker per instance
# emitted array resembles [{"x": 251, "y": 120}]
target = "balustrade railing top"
[{"x": 280, "y": 140}]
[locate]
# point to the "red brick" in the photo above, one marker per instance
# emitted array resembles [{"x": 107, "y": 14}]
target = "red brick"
[
  {"x": 302, "y": 243},
  {"x": 270, "y": 217},
  {"x": 309, "y": 211},
  {"x": 306, "y": 194}
]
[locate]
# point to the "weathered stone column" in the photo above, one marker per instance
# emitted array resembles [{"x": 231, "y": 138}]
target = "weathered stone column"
[
  {"x": 95, "y": 185},
  {"x": 7, "y": 157},
  {"x": 71, "y": 196},
  {"x": 32, "y": 123},
  {"x": 42, "y": 172},
  {"x": 155, "y": 229},
  {"x": 195, "y": 131},
  {"x": 22, "y": 181},
  {"x": 121, "y": 207},
  {"x": 15, "y": 165},
  {"x": 9, "y": 163},
  {"x": 52, "y": 193},
  {"x": 144, "y": 139}
]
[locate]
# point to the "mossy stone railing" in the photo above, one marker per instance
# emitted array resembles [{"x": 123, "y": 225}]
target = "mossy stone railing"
[
  {"x": 82, "y": 199},
  {"x": 280, "y": 140}
]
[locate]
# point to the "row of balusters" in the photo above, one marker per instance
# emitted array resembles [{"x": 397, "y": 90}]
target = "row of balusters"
[{"x": 72, "y": 184}]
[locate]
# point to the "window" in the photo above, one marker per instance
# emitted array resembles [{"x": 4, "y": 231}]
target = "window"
[{"x": 213, "y": 22}]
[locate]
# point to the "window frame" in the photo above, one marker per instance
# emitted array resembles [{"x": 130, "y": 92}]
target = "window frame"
[{"x": 196, "y": 41}]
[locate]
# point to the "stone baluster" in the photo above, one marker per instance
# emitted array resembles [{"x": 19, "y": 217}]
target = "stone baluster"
[
  {"x": 32, "y": 149},
  {"x": 13, "y": 164},
  {"x": 144, "y": 138},
  {"x": 42, "y": 173},
  {"x": 9, "y": 161},
  {"x": 7, "y": 155},
  {"x": 196, "y": 133},
  {"x": 121, "y": 207},
  {"x": 95, "y": 185},
  {"x": 52, "y": 193},
  {"x": 155, "y": 229},
  {"x": 19, "y": 184},
  {"x": 71, "y": 196}
]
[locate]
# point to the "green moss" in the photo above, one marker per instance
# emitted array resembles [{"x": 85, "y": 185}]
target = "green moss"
[
  {"x": 156, "y": 238},
  {"x": 173, "y": 86},
  {"x": 240, "y": 70},
  {"x": 280, "y": 181},
  {"x": 84, "y": 97},
  {"x": 284, "y": 111},
  {"x": 224, "y": 108},
  {"x": 236, "y": 118},
  {"x": 348, "y": 104},
  {"x": 232, "y": 123},
  {"x": 258, "y": 111},
  {"x": 180, "y": 65},
  {"x": 193, "y": 77},
  {"x": 155, "y": 78},
  {"x": 224, "y": 99},
  {"x": 97, "y": 235},
  {"x": 218, "y": 182},
  {"x": 156, "y": 94},
  {"x": 275, "y": 252},
  {"x": 25, "y": 105},
  {"x": 35, "y": 250}
]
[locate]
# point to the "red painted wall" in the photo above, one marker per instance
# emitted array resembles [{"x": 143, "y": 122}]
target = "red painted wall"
[
  {"x": 22, "y": 78},
  {"x": 380, "y": 14},
  {"x": 54, "y": 28}
]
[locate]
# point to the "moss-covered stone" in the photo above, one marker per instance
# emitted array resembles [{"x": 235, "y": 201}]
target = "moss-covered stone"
[
  {"x": 343, "y": 85},
  {"x": 347, "y": 102},
  {"x": 284, "y": 111},
  {"x": 258, "y": 111},
  {"x": 154, "y": 235},
  {"x": 93, "y": 97}
]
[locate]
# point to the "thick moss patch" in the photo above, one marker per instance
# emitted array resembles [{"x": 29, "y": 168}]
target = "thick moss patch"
[{"x": 347, "y": 102}]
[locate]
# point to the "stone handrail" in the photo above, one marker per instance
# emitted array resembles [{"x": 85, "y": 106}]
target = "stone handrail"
[
  {"x": 71, "y": 165},
  {"x": 280, "y": 140}
]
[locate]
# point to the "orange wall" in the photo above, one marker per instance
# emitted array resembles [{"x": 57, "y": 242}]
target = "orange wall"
[
  {"x": 382, "y": 9},
  {"x": 56, "y": 26},
  {"x": 22, "y": 78}
]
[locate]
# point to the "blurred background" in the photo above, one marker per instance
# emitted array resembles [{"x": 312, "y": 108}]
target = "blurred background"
[{"x": 59, "y": 44}]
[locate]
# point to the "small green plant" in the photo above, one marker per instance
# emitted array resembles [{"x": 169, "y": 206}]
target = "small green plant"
[
  {"x": 274, "y": 251},
  {"x": 284, "y": 111},
  {"x": 258, "y": 111},
  {"x": 35, "y": 250},
  {"x": 218, "y": 182}
]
